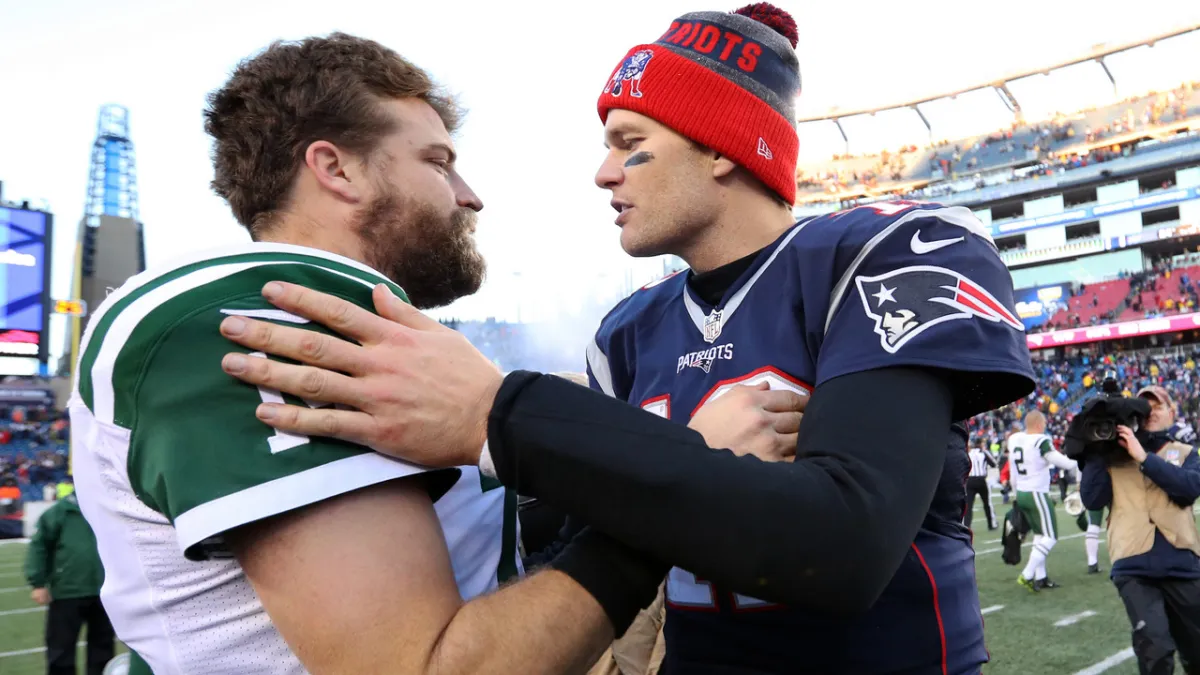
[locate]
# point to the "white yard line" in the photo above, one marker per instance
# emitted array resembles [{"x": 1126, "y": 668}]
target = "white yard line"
[
  {"x": 4, "y": 542},
  {"x": 993, "y": 608},
  {"x": 14, "y": 589},
  {"x": 1074, "y": 618},
  {"x": 9, "y": 574},
  {"x": 30, "y": 610},
  {"x": 36, "y": 650},
  {"x": 1030, "y": 543},
  {"x": 1120, "y": 657}
]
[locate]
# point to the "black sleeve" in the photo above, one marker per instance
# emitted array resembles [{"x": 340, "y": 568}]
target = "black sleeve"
[
  {"x": 991, "y": 459},
  {"x": 551, "y": 550},
  {"x": 827, "y": 531}
]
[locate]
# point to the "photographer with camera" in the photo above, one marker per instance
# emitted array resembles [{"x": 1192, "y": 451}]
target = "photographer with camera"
[{"x": 1149, "y": 482}]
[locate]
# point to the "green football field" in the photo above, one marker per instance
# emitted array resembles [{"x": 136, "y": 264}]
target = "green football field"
[
  {"x": 1079, "y": 628},
  {"x": 22, "y": 651}
]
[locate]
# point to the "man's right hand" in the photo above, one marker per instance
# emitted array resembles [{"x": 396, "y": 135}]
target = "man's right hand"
[
  {"x": 753, "y": 420},
  {"x": 41, "y": 596}
]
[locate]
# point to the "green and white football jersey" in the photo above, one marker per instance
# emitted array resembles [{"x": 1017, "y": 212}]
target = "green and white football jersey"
[
  {"x": 169, "y": 456},
  {"x": 1030, "y": 470}
]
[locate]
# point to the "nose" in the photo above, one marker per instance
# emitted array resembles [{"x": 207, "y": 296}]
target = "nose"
[
  {"x": 466, "y": 197},
  {"x": 610, "y": 174}
]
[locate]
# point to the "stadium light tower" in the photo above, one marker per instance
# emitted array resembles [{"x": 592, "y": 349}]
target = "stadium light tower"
[
  {"x": 110, "y": 247},
  {"x": 112, "y": 179}
]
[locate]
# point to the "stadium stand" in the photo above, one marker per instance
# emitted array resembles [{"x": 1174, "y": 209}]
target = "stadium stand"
[
  {"x": 1154, "y": 122},
  {"x": 1170, "y": 286},
  {"x": 1064, "y": 385},
  {"x": 33, "y": 447}
]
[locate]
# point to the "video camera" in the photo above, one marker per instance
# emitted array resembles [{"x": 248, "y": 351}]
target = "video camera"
[{"x": 1093, "y": 432}]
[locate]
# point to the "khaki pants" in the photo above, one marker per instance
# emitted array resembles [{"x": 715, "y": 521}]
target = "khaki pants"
[{"x": 640, "y": 651}]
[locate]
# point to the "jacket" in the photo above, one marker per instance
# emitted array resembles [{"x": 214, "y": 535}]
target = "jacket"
[
  {"x": 62, "y": 555},
  {"x": 1181, "y": 485}
]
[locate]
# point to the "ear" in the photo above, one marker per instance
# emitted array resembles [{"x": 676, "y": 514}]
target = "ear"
[
  {"x": 336, "y": 170},
  {"x": 722, "y": 166}
]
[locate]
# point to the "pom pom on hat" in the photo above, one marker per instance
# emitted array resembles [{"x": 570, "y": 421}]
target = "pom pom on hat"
[{"x": 775, "y": 18}]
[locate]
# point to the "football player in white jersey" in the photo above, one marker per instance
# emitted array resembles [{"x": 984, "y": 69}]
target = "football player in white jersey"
[
  {"x": 1031, "y": 454},
  {"x": 232, "y": 548}
]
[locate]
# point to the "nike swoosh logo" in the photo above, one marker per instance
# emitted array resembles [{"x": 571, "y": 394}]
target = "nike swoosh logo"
[{"x": 920, "y": 247}]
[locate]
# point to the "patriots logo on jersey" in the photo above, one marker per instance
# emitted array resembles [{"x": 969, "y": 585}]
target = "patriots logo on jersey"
[
  {"x": 704, "y": 358},
  {"x": 907, "y": 301}
]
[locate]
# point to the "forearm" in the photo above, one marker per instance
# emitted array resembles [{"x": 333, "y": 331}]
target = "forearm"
[
  {"x": 845, "y": 512},
  {"x": 1060, "y": 460},
  {"x": 547, "y": 623}
]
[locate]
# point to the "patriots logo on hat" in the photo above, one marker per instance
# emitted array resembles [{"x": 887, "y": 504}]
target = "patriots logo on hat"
[
  {"x": 631, "y": 71},
  {"x": 907, "y": 301}
]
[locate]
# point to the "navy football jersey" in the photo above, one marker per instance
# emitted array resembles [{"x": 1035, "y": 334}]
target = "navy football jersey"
[{"x": 884, "y": 285}]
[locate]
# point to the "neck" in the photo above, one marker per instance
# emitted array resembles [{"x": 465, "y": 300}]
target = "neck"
[
  {"x": 744, "y": 227},
  {"x": 301, "y": 230}
]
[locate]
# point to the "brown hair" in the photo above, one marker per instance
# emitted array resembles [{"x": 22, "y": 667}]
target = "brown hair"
[{"x": 292, "y": 94}]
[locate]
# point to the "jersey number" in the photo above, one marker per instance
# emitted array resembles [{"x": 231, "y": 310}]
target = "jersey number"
[
  {"x": 281, "y": 440},
  {"x": 1019, "y": 461},
  {"x": 684, "y": 589}
]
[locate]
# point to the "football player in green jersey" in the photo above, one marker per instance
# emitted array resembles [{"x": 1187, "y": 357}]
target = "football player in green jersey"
[{"x": 230, "y": 547}]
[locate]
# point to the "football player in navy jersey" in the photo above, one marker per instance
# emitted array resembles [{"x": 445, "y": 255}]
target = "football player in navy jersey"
[{"x": 896, "y": 319}]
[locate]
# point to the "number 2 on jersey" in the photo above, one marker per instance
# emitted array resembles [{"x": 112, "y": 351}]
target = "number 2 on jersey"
[{"x": 1019, "y": 461}]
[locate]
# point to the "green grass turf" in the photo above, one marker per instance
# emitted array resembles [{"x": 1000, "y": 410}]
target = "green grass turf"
[
  {"x": 1021, "y": 637},
  {"x": 24, "y": 630}
]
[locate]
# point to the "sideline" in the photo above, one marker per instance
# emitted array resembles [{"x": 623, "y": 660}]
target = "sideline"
[{"x": 1120, "y": 657}]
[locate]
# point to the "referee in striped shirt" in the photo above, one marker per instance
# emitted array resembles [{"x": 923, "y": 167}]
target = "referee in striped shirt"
[{"x": 977, "y": 485}]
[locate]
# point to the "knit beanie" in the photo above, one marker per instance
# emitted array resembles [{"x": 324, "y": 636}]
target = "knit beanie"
[{"x": 724, "y": 80}]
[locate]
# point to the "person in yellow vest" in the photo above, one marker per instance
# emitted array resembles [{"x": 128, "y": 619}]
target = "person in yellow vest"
[
  {"x": 65, "y": 487},
  {"x": 1152, "y": 537}
]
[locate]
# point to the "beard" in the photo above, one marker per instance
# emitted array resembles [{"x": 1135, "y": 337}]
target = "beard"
[{"x": 431, "y": 256}]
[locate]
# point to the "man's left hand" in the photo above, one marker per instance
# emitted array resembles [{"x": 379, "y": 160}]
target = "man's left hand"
[
  {"x": 419, "y": 390},
  {"x": 1131, "y": 443}
]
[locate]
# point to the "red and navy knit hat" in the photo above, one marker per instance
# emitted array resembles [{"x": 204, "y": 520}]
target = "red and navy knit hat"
[{"x": 725, "y": 80}]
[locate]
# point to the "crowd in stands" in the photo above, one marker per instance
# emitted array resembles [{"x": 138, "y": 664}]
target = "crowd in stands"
[
  {"x": 1028, "y": 150},
  {"x": 33, "y": 448},
  {"x": 1170, "y": 286},
  {"x": 1063, "y": 386}
]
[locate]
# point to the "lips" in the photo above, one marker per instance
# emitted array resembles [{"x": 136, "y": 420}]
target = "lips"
[{"x": 622, "y": 208}]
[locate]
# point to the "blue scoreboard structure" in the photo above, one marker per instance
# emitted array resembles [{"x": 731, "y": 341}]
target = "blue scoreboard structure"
[{"x": 25, "y": 237}]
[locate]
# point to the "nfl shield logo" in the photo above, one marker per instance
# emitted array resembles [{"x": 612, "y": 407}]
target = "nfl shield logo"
[{"x": 712, "y": 326}]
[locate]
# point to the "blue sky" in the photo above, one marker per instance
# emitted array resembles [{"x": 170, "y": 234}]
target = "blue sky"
[{"x": 529, "y": 72}]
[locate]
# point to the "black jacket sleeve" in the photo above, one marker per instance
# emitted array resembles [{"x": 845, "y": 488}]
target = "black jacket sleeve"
[{"x": 826, "y": 532}]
